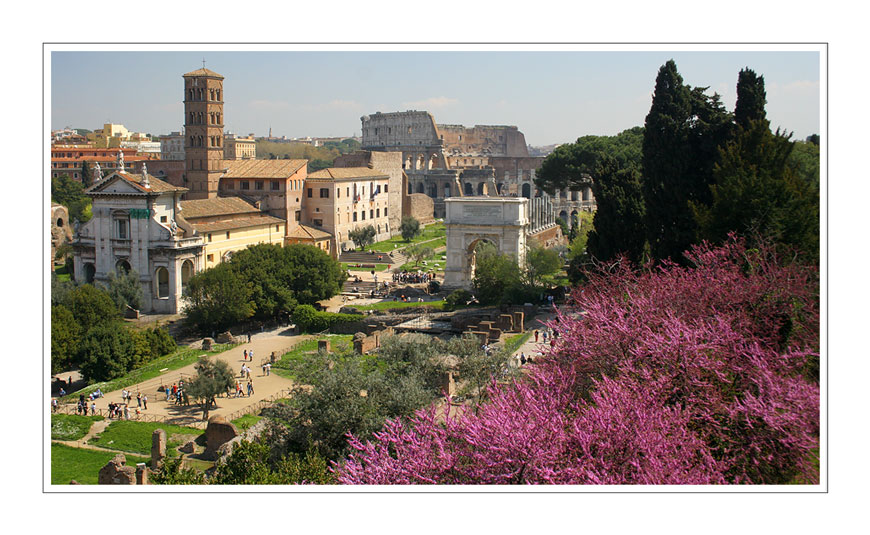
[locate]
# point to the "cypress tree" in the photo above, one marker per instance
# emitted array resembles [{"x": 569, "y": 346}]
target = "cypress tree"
[
  {"x": 751, "y": 98},
  {"x": 86, "y": 175}
]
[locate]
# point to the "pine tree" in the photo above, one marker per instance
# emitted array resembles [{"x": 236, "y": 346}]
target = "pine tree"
[{"x": 619, "y": 219}]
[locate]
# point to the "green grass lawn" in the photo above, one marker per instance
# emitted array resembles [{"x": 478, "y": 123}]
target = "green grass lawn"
[
  {"x": 179, "y": 358},
  {"x": 288, "y": 363},
  {"x": 391, "y": 305},
  {"x": 247, "y": 421},
  {"x": 430, "y": 232},
  {"x": 512, "y": 343},
  {"x": 135, "y": 437},
  {"x": 83, "y": 465},
  {"x": 71, "y": 426},
  {"x": 62, "y": 273},
  {"x": 350, "y": 267}
]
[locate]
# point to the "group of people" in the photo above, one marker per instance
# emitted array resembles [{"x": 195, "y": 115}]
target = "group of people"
[
  {"x": 248, "y": 354},
  {"x": 412, "y": 277},
  {"x": 121, "y": 410},
  {"x": 176, "y": 392},
  {"x": 547, "y": 333},
  {"x": 240, "y": 392},
  {"x": 141, "y": 400}
]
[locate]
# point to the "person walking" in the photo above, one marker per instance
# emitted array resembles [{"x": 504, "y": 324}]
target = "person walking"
[
  {"x": 245, "y": 355},
  {"x": 138, "y": 399},
  {"x": 93, "y": 409},
  {"x": 53, "y": 404},
  {"x": 250, "y": 389},
  {"x": 268, "y": 369},
  {"x": 536, "y": 336},
  {"x": 145, "y": 402}
]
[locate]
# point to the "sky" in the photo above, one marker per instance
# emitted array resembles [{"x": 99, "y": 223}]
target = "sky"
[{"x": 551, "y": 96}]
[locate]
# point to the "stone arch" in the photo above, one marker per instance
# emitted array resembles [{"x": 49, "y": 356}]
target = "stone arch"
[
  {"x": 161, "y": 278},
  {"x": 447, "y": 192},
  {"x": 480, "y": 186},
  {"x": 123, "y": 265},
  {"x": 187, "y": 271},
  {"x": 434, "y": 162},
  {"x": 527, "y": 191},
  {"x": 421, "y": 188},
  {"x": 563, "y": 215},
  {"x": 433, "y": 191},
  {"x": 420, "y": 164},
  {"x": 408, "y": 163},
  {"x": 573, "y": 218},
  {"x": 471, "y": 254},
  {"x": 469, "y": 189},
  {"x": 90, "y": 271}
]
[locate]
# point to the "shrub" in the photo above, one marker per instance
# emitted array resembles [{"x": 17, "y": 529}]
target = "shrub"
[
  {"x": 457, "y": 298},
  {"x": 310, "y": 320}
]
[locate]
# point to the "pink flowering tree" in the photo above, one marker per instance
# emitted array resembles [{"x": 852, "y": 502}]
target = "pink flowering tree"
[{"x": 705, "y": 374}]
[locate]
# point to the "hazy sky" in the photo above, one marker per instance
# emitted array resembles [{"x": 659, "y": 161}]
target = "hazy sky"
[{"x": 553, "y": 97}]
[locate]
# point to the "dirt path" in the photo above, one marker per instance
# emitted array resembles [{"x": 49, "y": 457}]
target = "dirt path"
[{"x": 265, "y": 386}]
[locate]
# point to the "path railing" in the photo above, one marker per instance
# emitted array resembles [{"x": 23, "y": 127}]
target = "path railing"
[
  {"x": 262, "y": 404},
  {"x": 185, "y": 420}
]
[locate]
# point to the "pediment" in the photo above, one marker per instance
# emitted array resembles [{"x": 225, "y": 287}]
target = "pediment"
[{"x": 115, "y": 183}]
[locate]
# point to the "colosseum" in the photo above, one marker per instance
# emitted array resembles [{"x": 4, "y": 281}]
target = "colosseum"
[{"x": 453, "y": 160}]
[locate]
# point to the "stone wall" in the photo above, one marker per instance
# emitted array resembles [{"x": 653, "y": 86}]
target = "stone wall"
[
  {"x": 419, "y": 206},
  {"x": 549, "y": 237}
]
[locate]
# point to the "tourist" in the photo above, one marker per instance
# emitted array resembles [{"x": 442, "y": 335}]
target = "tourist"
[
  {"x": 545, "y": 336},
  {"x": 245, "y": 355},
  {"x": 62, "y": 392},
  {"x": 53, "y": 404},
  {"x": 269, "y": 369},
  {"x": 145, "y": 402},
  {"x": 249, "y": 340},
  {"x": 523, "y": 359},
  {"x": 243, "y": 370},
  {"x": 536, "y": 337},
  {"x": 251, "y": 355},
  {"x": 250, "y": 389},
  {"x": 93, "y": 409},
  {"x": 138, "y": 399},
  {"x": 264, "y": 370},
  {"x": 168, "y": 391},
  {"x": 127, "y": 412}
]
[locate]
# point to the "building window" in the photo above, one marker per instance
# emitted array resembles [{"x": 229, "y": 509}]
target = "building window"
[
  {"x": 385, "y": 212},
  {"x": 246, "y": 184},
  {"x": 363, "y": 214},
  {"x": 209, "y": 237},
  {"x": 275, "y": 186},
  {"x": 122, "y": 229},
  {"x": 324, "y": 193},
  {"x": 386, "y": 188},
  {"x": 298, "y": 215},
  {"x": 309, "y": 193},
  {"x": 354, "y": 216},
  {"x": 379, "y": 212},
  {"x": 231, "y": 185},
  {"x": 162, "y": 283},
  {"x": 318, "y": 222},
  {"x": 163, "y": 219},
  {"x": 371, "y": 214},
  {"x": 210, "y": 258},
  {"x": 259, "y": 185},
  {"x": 337, "y": 193},
  {"x": 277, "y": 228},
  {"x": 228, "y": 234}
]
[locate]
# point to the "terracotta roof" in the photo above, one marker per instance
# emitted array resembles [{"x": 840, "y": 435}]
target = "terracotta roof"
[
  {"x": 204, "y": 72},
  {"x": 156, "y": 185},
  {"x": 307, "y": 232},
  {"x": 338, "y": 173},
  {"x": 216, "y": 206},
  {"x": 261, "y": 168},
  {"x": 236, "y": 222}
]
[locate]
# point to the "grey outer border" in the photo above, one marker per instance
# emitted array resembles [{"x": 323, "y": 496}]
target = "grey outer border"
[{"x": 234, "y": 489}]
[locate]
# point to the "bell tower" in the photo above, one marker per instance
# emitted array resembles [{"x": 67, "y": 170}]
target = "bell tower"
[{"x": 204, "y": 132}]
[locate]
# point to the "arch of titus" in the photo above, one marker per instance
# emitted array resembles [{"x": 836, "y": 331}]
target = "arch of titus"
[{"x": 506, "y": 222}]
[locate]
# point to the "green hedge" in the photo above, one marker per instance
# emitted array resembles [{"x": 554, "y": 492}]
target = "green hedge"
[{"x": 310, "y": 320}]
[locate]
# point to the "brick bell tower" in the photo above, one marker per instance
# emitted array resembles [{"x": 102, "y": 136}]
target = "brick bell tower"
[{"x": 204, "y": 132}]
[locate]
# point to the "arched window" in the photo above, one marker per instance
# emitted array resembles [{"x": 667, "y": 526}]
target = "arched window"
[
  {"x": 122, "y": 265},
  {"x": 527, "y": 191},
  {"x": 469, "y": 189},
  {"x": 446, "y": 190},
  {"x": 186, "y": 273},
  {"x": 162, "y": 278},
  {"x": 480, "y": 188}
]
